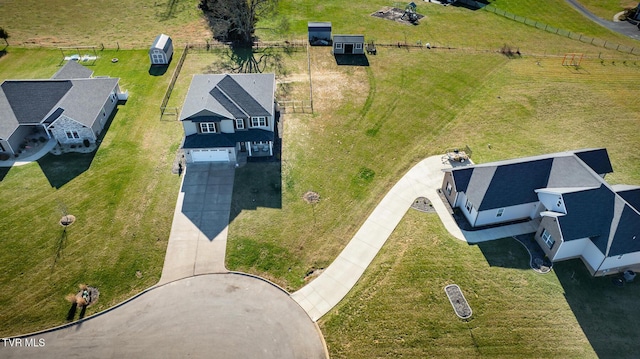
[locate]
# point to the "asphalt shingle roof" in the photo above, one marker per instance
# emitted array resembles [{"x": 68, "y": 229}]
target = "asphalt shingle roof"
[
  {"x": 226, "y": 139},
  {"x": 72, "y": 70},
  {"x": 627, "y": 236},
  {"x": 589, "y": 214},
  {"x": 31, "y": 100},
  {"x": 597, "y": 159}
]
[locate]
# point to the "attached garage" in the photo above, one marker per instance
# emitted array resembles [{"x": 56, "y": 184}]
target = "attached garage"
[{"x": 210, "y": 155}]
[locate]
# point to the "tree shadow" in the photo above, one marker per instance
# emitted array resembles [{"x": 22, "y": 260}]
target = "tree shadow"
[
  {"x": 60, "y": 245},
  {"x": 246, "y": 59},
  {"x": 71, "y": 314},
  {"x": 351, "y": 60},
  {"x": 607, "y": 310},
  {"x": 170, "y": 10},
  {"x": 62, "y": 169}
]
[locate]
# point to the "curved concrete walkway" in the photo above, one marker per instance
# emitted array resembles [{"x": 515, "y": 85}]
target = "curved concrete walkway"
[
  {"x": 423, "y": 180},
  {"x": 21, "y": 161}
]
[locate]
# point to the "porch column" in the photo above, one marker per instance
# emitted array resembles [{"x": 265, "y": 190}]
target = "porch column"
[
  {"x": 270, "y": 148},
  {"x": 249, "y": 148}
]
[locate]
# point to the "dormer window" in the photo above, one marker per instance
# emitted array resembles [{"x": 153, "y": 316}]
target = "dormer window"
[
  {"x": 208, "y": 127},
  {"x": 258, "y": 121},
  {"x": 239, "y": 124}
]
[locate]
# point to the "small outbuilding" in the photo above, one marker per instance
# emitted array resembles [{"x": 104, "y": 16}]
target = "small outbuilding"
[
  {"x": 319, "y": 33},
  {"x": 348, "y": 44},
  {"x": 161, "y": 51}
]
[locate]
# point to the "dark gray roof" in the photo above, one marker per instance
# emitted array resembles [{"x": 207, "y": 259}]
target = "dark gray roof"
[
  {"x": 316, "y": 24},
  {"x": 627, "y": 235},
  {"x": 597, "y": 159},
  {"x": 31, "y": 100},
  {"x": 631, "y": 194},
  {"x": 226, "y": 139},
  {"x": 86, "y": 99},
  {"x": 230, "y": 95},
  {"x": 72, "y": 70},
  {"x": 462, "y": 177},
  {"x": 589, "y": 214}
]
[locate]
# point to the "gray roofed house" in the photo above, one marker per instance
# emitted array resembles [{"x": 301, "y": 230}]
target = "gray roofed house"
[
  {"x": 228, "y": 116},
  {"x": 579, "y": 214},
  {"x": 70, "y": 108}
]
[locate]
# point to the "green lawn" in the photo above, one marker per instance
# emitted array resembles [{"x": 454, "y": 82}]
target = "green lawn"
[{"x": 122, "y": 196}]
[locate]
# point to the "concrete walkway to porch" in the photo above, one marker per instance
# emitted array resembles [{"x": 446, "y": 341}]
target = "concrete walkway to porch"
[{"x": 31, "y": 157}]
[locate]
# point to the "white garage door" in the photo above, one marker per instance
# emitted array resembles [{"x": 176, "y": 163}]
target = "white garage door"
[{"x": 211, "y": 155}]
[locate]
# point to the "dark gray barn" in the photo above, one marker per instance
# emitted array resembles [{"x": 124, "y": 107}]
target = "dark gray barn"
[{"x": 319, "y": 33}]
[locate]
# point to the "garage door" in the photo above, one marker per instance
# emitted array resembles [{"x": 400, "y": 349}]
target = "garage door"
[{"x": 212, "y": 155}]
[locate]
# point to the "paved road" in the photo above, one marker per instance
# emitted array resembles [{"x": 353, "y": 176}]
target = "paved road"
[
  {"x": 208, "y": 316},
  {"x": 622, "y": 27}
]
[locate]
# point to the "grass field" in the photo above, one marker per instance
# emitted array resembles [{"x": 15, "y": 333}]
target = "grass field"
[
  {"x": 371, "y": 124},
  {"x": 122, "y": 196}
]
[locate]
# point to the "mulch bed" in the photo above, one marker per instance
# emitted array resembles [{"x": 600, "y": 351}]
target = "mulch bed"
[
  {"x": 423, "y": 204},
  {"x": 458, "y": 301}
]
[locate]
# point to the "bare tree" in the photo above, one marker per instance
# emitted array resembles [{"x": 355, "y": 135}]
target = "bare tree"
[
  {"x": 235, "y": 20},
  {"x": 4, "y": 35}
]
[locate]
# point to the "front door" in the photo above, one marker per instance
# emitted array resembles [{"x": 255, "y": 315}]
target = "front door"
[
  {"x": 243, "y": 147},
  {"x": 348, "y": 48}
]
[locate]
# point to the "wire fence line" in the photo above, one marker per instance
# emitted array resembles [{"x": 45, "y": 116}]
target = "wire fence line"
[
  {"x": 176, "y": 73},
  {"x": 554, "y": 30}
]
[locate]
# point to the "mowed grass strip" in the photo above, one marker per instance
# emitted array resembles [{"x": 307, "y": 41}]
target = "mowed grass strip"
[{"x": 123, "y": 199}]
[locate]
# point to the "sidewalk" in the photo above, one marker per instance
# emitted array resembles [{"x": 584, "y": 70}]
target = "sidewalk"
[
  {"x": 423, "y": 180},
  {"x": 21, "y": 161}
]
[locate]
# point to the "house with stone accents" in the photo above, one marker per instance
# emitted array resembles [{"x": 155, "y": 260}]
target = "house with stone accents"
[
  {"x": 577, "y": 213},
  {"x": 71, "y": 107},
  {"x": 228, "y": 115}
]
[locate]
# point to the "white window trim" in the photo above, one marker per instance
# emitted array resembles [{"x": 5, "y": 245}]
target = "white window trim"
[
  {"x": 547, "y": 238},
  {"x": 449, "y": 187},
  {"x": 468, "y": 206},
  {"x": 260, "y": 121},
  {"x": 500, "y": 212},
  {"x": 205, "y": 128},
  {"x": 338, "y": 45},
  {"x": 358, "y": 45},
  {"x": 239, "y": 124}
]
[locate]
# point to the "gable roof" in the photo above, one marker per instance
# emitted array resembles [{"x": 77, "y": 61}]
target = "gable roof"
[
  {"x": 631, "y": 194},
  {"x": 597, "y": 159},
  {"x": 626, "y": 238},
  {"x": 511, "y": 182},
  {"x": 31, "y": 100},
  {"x": 72, "y": 70},
  {"x": 589, "y": 214},
  {"x": 230, "y": 96},
  {"x": 162, "y": 42}
]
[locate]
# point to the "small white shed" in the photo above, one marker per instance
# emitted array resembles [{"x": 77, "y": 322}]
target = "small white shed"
[{"x": 161, "y": 51}]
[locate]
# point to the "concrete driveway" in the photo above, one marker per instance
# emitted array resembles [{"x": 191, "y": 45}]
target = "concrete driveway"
[
  {"x": 208, "y": 316},
  {"x": 198, "y": 238}
]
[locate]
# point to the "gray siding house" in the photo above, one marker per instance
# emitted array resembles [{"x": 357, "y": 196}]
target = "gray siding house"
[
  {"x": 579, "y": 214},
  {"x": 161, "y": 50},
  {"x": 348, "y": 44},
  {"x": 227, "y": 114},
  {"x": 70, "y": 107}
]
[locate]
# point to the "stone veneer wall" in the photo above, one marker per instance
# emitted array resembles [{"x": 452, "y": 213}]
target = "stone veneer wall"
[{"x": 63, "y": 124}]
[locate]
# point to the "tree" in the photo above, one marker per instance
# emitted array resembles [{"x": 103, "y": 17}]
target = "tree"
[
  {"x": 235, "y": 20},
  {"x": 4, "y": 35}
]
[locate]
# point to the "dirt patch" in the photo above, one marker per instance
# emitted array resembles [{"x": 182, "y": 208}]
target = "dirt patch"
[
  {"x": 312, "y": 273},
  {"x": 395, "y": 14}
]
